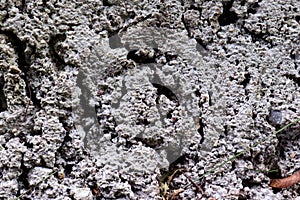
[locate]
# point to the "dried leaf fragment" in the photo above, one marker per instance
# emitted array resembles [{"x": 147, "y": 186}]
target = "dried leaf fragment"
[{"x": 286, "y": 182}]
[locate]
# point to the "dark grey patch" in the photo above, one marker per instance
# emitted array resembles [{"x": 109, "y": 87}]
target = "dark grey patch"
[
  {"x": 115, "y": 42},
  {"x": 275, "y": 117}
]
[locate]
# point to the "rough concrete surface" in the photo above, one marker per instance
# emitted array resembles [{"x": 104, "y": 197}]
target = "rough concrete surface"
[{"x": 138, "y": 99}]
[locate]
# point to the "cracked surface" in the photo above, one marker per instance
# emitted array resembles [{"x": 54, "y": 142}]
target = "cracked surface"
[{"x": 109, "y": 96}]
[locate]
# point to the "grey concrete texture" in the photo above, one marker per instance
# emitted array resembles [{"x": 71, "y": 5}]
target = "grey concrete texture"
[{"x": 102, "y": 99}]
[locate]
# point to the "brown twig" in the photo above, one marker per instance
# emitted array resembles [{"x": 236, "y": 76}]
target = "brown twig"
[
  {"x": 199, "y": 189},
  {"x": 286, "y": 182}
]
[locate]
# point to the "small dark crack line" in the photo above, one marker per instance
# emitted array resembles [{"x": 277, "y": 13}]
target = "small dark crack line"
[
  {"x": 3, "y": 102},
  {"x": 201, "y": 130}
]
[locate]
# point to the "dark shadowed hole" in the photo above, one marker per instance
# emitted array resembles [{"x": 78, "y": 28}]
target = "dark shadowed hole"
[
  {"x": 137, "y": 57},
  {"x": 227, "y": 17},
  {"x": 253, "y": 8},
  {"x": 68, "y": 169},
  {"x": 106, "y": 3},
  {"x": 246, "y": 80},
  {"x": 249, "y": 182},
  {"x": 162, "y": 90},
  {"x": 293, "y": 78},
  {"x": 53, "y": 50}
]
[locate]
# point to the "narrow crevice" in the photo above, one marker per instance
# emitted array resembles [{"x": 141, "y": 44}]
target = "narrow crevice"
[
  {"x": 226, "y": 131},
  {"x": 53, "y": 50},
  {"x": 3, "y": 102},
  {"x": 210, "y": 94},
  {"x": 170, "y": 56},
  {"x": 294, "y": 55},
  {"x": 275, "y": 172},
  {"x": 201, "y": 47},
  {"x": 23, "y": 64},
  {"x": 23, "y": 6},
  {"x": 201, "y": 130},
  {"x": 286, "y": 139},
  {"x": 198, "y": 94},
  {"x": 61, "y": 151},
  {"x": 23, "y": 178},
  {"x": 23, "y": 139},
  {"x": 254, "y": 115},
  {"x": 95, "y": 189},
  {"x": 193, "y": 7},
  {"x": 187, "y": 28},
  {"x": 142, "y": 121},
  {"x": 68, "y": 169},
  {"x": 66, "y": 139},
  {"x": 243, "y": 196}
]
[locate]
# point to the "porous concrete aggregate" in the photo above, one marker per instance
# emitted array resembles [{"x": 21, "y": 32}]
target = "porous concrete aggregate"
[{"x": 101, "y": 99}]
